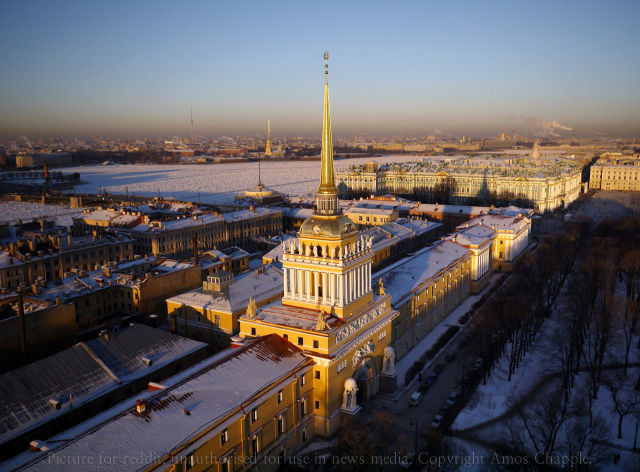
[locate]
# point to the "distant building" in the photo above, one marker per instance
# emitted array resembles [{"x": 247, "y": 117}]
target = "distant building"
[
  {"x": 613, "y": 171},
  {"x": 480, "y": 241},
  {"x": 49, "y": 257},
  {"x": 512, "y": 230},
  {"x": 549, "y": 184},
  {"x": 57, "y": 159},
  {"x": 110, "y": 297},
  {"x": 49, "y": 326},
  {"x": 175, "y": 237}
]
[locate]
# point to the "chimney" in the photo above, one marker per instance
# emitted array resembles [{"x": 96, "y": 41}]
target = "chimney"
[
  {"x": 141, "y": 406},
  {"x": 195, "y": 248},
  {"x": 69, "y": 239},
  {"x": 153, "y": 386},
  {"x": 173, "y": 323},
  {"x": 23, "y": 332}
]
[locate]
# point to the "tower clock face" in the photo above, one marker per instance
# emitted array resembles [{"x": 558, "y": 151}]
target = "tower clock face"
[{"x": 316, "y": 229}]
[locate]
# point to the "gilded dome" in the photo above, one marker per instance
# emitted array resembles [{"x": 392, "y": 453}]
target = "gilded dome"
[{"x": 333, "y": 226}]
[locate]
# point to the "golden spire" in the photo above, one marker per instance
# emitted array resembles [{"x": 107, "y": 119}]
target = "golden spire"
[
  {"x": 267, "y": 150},
  {"x": 327, "y": 182}
]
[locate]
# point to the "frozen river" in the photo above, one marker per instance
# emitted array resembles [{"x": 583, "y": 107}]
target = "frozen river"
[{"x": 212, "y": 183}]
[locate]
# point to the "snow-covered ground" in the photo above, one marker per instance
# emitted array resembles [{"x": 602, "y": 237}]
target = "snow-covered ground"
[
  {"x": 215, "y": 183},
  {"x": 491, "y": 400},
  {"x": 26, "y": 211}
]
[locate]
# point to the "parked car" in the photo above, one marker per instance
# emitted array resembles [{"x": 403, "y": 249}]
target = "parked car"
[
  {"x": 423, "y": 388},
  {"x": 415, "y": 398},
  {"x": 452, "y": 399},
  {"x": 437, "y": 421},
  {"x": 431, "y": 378}
]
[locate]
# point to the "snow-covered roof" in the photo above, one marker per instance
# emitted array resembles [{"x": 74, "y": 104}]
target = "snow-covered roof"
[
  {"x": 291, "y": 316},
  {"x": 371, "y": 211},
  {"x": 174, "y": 225},
  {"x": 248, "y": 214},
  {"x": 501, "y": 223},
  {"x": 219, "y": 389},
  {"x": 259, "y": 285},
  {"x": 298, "y": 213},
  {"x": 403, "y": 278},
  {"x": 476, "y": 235},
  {"x": 419, "y": 227},
  {"x": 85, "y": 371},
  {"x": 450, "y": 209},
  {"x": 7, "y": 260}
]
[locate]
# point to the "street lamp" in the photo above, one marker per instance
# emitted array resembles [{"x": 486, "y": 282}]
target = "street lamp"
[{"x": 414, "y": 422}]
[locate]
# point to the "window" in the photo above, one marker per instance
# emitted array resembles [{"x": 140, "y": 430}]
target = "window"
[
  {"x": 316, "y": 344},
  {"x": 253, "y": 331},
  {"x": 316, "y": 374},
  {"x": 189, "y": 462},
  {"x": 303, "y": 407},
  {"x": 316, "y": 405},
  {"x": 224, "y": 437},
  {"x": 304, "y": 434},
  {"x": 302, "y": 381},
  {"x": 279, "y": 396},
  {"x": 285, "y": 336},
  {"x": 224, "y": 465},
  {"x": 255, "y": 445},
  {"x": 280, "y": 425},
  {"x": 300, "y": 341},
  {"x": 216, "y": 320},
  {"x": 254, "y": 415}
]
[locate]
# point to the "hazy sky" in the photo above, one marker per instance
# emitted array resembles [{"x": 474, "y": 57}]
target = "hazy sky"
[{"x": 134, "y": 68}]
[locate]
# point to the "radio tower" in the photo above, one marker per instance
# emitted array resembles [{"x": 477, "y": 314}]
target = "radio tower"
[{"x": 191, "y": 122}]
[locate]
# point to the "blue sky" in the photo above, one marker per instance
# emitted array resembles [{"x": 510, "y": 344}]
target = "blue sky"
[{"x": 134, "y": 68}]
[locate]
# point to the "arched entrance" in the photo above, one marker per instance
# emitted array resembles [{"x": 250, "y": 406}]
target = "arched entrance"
[{"x": 366, "y": 377}]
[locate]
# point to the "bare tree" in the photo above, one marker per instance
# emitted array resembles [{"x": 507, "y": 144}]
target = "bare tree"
[{"x": 625, "y": 398}]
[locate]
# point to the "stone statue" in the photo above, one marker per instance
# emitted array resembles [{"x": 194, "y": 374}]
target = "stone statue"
[
  {"x": 252, "y": 309},
  {"x": 349, "y": 400},
  {"x": 381, "y": 287},
  {"x": 389, "y": 361},
  {"x": 315, "y": 251},
  {"x": 321, "y": 324}
]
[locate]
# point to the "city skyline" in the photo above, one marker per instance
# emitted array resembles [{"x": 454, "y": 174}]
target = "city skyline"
[{"x": 130, "y": 70}]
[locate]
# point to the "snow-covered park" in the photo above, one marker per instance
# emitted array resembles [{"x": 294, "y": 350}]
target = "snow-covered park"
[{"x": 212, "y": 183}]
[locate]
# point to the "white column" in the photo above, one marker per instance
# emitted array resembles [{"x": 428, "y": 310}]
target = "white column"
[
  {"x": 333, "y": 287},
  {"x": 325, "y": 288},
  {"x": 314, "y": 282},
  {"x": 368, "y": 277},
  {"x": 330, "y": 287},
  {"x": 286, "y": 280},
  {"x": 352, "y": 285},
  {"x": 299, "y": 284},
  {"x": 307, "y": 276}
]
